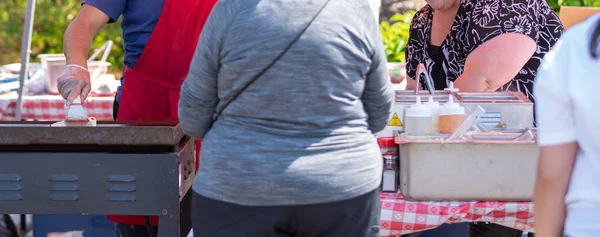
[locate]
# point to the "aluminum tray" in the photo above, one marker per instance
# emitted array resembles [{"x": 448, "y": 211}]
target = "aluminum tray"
[
  {"x": 105, "y": 133},
  {"x": 512, "y": 110},
  {"x": 465, "y": 171},
  {"x": 493, "y": 97},
  {"x": 421, "y": 92}
]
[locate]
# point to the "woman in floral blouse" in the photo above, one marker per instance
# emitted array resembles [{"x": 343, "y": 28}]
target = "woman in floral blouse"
[{"x": 482, "y": 45}]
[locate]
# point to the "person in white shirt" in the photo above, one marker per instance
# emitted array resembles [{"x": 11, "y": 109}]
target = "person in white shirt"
[{"x": 567, "y": 191}]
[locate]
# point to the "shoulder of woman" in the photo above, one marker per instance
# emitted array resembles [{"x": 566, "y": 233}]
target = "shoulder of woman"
[{"x": 421, "y": 18}]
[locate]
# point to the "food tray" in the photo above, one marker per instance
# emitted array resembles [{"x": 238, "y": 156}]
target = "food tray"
[{"x": 503, "y": 110}]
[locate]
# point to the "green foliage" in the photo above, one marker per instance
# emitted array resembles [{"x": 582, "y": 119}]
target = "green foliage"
[
  {"x": 51, "y": 19},
  {"x": 53, "y": 16},
  {"x": 395, "y": 34},
  {"x": 556, "y": 4}
]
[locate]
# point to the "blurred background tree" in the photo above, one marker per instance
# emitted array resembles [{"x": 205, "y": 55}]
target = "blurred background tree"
[
  {"x": 53, "y": 16},
  {"x": 555, "y": 4},
  {"x": 51, "y": 19}
]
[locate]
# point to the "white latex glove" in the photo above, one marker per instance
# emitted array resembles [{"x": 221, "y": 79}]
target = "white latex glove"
[{"x": 73, "y": 82}]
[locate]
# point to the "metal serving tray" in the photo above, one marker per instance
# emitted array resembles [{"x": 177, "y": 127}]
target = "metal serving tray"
[
  {"x": 504, "y": 110},
  {"x": 491, "y": 167},
  {"x": 421, "y": 92},
  {"x": 105, "y": 133}
]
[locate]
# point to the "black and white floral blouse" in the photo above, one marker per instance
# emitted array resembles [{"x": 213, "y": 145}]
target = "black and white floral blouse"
[{"x": 476, "y": 22}]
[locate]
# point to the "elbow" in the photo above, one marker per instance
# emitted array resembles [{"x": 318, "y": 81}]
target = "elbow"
[
  {"x": 493, "y": 84},
  {"x": 79, "y": 26},
  {"x": 552, "y": 182},
  {"x": 489, "y": 84}
]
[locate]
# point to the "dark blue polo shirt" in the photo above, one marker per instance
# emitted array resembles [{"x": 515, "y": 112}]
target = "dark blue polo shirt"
[{"x": 139, "y": 19}]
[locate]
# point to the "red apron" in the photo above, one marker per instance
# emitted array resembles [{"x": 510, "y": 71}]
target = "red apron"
[{"x": 150, "y": 90}]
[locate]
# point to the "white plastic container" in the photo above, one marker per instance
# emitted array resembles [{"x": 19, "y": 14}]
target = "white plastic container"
[
  {"x": 53, "y": 65},
  {"x": 418, "y": 119},
  {"x": 434, "y": 106},
  {"x": 451, "y": 117}
]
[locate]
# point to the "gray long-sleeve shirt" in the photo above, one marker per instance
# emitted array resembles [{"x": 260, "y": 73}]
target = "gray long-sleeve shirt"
[{"x": 302, "y": 132}]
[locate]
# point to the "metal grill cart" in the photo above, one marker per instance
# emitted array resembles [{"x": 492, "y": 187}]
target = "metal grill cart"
[{"x": 115, "y": 168}]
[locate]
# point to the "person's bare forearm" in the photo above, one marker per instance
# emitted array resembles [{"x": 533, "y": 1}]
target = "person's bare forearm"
[
  {"x": 75, "y": 82},
  {"x": 77, "y": 43},
  {"x": 555, "y": 166},
  {"x": 550, "y": 210},
  {"x": 410, "y": 83},
  {"x": 80, "y": 33},
  {"x": 476, "y": 82}
]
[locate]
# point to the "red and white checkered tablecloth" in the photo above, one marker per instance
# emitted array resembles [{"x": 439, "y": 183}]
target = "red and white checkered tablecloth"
[
  {"x": 51, "y": 107},
  {"x": 399, "y": 216}
]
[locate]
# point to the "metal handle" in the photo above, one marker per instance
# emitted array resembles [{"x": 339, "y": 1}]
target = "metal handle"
[
  {"x": 422, "y": 75},
  {"x": 106, "y": 47}
]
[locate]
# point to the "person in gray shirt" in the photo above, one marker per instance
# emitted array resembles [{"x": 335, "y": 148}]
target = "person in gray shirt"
[{"x": 293, "y": 153}]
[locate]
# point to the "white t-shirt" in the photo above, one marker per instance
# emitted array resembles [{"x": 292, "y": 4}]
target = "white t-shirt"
[
  {"x": 568, "y": 109},
  {"x": 375, "y": 6}
]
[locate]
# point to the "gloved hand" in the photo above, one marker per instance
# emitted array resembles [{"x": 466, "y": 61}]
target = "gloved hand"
[{"x": 73, "y": 82}]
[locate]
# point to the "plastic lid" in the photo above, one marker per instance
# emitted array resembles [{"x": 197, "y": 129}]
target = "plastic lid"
[
  {"x": 386, "y": 142},
  {"x": 451, "y": 108},
  {"x": 418, "y": 110}
]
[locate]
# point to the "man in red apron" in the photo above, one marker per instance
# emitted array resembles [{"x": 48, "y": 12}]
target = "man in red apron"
[{"x": 160, "y": 38}]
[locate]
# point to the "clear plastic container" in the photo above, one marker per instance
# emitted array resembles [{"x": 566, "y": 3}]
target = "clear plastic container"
[
  {"x": 390, "y": 154},
  {"x": 418, "y": 119},
  {"x": 434, "y": 106}
]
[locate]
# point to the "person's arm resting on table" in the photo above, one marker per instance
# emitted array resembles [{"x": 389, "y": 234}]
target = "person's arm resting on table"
[
  {"x": 495, "y": 62},
  {"x": 199, "y": 98},
  {"x": 557, "y": 140}
]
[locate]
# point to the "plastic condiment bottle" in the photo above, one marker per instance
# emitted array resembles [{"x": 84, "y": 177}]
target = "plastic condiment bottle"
[
  {"x": 452, "y": 115},
  {"x": 451, "y": 88},
  {"x": 418, "y": 119},
  {"x": 434, "y": 106}
]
